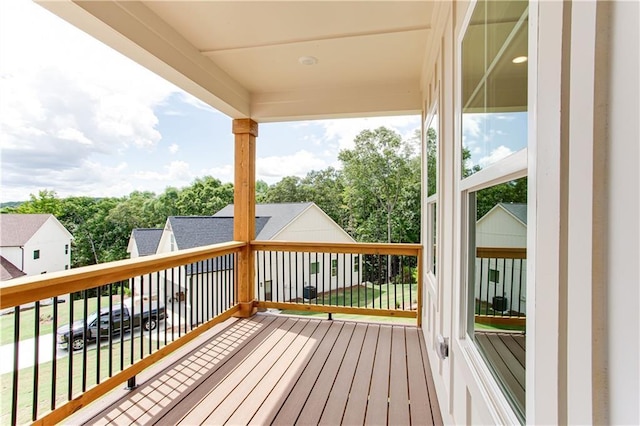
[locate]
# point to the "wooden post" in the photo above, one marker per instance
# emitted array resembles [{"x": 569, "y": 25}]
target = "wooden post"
[{"x": 244, "y": 198}]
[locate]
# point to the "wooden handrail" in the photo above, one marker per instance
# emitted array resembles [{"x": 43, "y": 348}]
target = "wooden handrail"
[
  {"x": 30, "y": 289},
  {"x": 405, "y": 249},
  {"x": 501, "y": 252}
]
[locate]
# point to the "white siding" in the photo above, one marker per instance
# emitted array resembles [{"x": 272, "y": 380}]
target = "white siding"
[
  {"x": 313, "y": 225},
  {"x": 50, "y": 240},
  {"x": 500, "y": 229},
  {"x": 13, "y": 255}
]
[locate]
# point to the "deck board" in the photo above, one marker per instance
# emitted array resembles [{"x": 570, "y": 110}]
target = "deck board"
[
  {"x": 505, "y": 354},
  {"x": 377, "y": 408},
  {"x": 340, "y": 392},
  {"x": 272, "y": 369}
]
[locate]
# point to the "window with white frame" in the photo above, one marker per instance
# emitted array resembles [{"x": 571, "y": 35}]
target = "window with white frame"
[
  {"x": 432, "y": 149},
  {"x": 493, "y": 153}
]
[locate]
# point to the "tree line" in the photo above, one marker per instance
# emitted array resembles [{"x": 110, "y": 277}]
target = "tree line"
[{"x": 375, "y": 196}]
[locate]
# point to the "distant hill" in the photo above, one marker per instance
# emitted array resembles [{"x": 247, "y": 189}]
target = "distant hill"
[{"x": 10, "y": 204}]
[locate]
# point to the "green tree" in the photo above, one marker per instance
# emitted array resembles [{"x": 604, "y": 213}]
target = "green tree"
[
  {"x": 261, "y": 191},
  {"x": 378, "y": 177},
  {"x": 288, "y": 190},
  {"x": 326, "y": 189},
  {"x": 204, "y": 197}
]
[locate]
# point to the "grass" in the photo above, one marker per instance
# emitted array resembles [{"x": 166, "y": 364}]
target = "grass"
[
  {"x": 45, "y": 375},
  {"x": 479, "y": 326},
  {"x": 385, "y": 296},
  {"x": 28, "y": 318}
]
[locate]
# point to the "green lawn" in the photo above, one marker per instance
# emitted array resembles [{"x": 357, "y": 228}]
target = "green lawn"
[
  {"x": 370, "y": 296},
  {"x": 28, "y": 318},
  {"x": 45, "y": 378}
]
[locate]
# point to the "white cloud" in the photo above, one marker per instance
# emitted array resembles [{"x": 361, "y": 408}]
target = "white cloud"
[
  {"x": 344, "y": 131},
  {"x": 272, "y": 169},
  {"x": 173, "y": 148},
  {"x": 176, "y": 171},
  {"x": 66, "y": 98},
  {"x": 496, "y": 155},
  {"x": 223, "y": 173}
]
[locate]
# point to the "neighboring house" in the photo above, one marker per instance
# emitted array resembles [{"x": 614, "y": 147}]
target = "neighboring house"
[
  {"x": 142, "y": 242},
  {"x": 33, "y": 244},
  {"x": 285, "y": 222},
  {"x": 300, "y": 222},
  {"x": 504, "y": 226}
]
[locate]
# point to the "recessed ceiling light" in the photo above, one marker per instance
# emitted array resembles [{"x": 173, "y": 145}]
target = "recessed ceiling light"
[
  {"x": 308, "y": 60},
  {"x": 519, "y": 59}
]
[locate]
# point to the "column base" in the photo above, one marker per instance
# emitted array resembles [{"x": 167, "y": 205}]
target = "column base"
[{"x": 247, "y": 309}]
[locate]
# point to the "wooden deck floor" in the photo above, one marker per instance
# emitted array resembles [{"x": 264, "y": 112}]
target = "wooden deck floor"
[
  {"x": 506, "y": 353},
  {"x": 281, "y": 370}
]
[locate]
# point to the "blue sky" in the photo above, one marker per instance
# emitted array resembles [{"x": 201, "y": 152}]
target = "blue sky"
[{"x": 78, "y": 118}]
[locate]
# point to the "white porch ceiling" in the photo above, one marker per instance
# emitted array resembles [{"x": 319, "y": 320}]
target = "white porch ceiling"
[{"x": 242, "y": 57}]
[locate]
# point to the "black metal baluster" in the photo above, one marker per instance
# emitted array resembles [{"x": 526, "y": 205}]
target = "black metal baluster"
[
  {"x": 271, "y": 277},
  {"x": 164, "y": 302},
  {"x": 110, "y": 350},
  {"x": 36, "y": 361},
  {"x": 141, "y": 320},
  {"x": 149, "y": 315},
  {"x": 388, "y": 263},
  {"x": 70, "y": 349},
  {"x": 54, "y": 360},
  {"x": 84, "y": 346},
  {"x": 520, "y": 286},
  {"x": 205, "y": 290},
  {"x": 489, "y": 286},
  {"x": 14, "y": 385},
  {"x": 131, "y": 316},
  {"x": 296, "y": 280},
  {"x": 501, "y": 277},
  {"x": 180, "y": 297},
  {"x": 131, "y": 286},
  {"x": 158, "y": 300},
  {"x": 513, "y": 265},
  {"x": 172, "y": 299},
  {"x": 188, "y": 312},
  {"x": 284, "y": 293},
  {"x": 98, "y": 307}
]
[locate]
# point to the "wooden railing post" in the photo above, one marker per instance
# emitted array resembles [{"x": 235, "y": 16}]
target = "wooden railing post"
[{"x": 245, "y": 131}]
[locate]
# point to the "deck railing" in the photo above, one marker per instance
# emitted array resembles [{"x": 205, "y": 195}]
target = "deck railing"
[
  {"x": 66, "y": 355},
  {"x": 130, "y": 314},
  {"x": 500, "y": 286},
  {"x": 361, "y": 279}
]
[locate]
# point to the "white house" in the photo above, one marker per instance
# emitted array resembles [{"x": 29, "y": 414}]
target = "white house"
[
  {"x": 34, "y": 244},
  {"x": 281, "y": 277},
  {"x": 283, "y": 221},
  {"x": 142, "y": 242},
  {"x": 502, "y": 274}
]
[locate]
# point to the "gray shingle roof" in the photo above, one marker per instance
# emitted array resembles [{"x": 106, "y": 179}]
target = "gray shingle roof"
[
  {"x": 199, "y": 231},
  {"x": 17, "y": 229},
  {"x": 8, "y": 270},
  {"x": 279, "y": 215},
  {"x": 519, "y": 210},
  {"x": 147, "y": 240}
]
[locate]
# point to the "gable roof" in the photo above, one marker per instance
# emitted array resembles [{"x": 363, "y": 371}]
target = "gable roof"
[
  {"x": 17, "y": 229},
  {"x": 8, "y": 270},
  {"x": 147, "y": 240},
  {"x": 518, "y": 210},
  {"x": 199, "y": 231},
  {"x": 278, "y": 216}
]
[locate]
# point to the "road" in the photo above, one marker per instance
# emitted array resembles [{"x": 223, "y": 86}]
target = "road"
[{"x": 26, "y": 349}]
